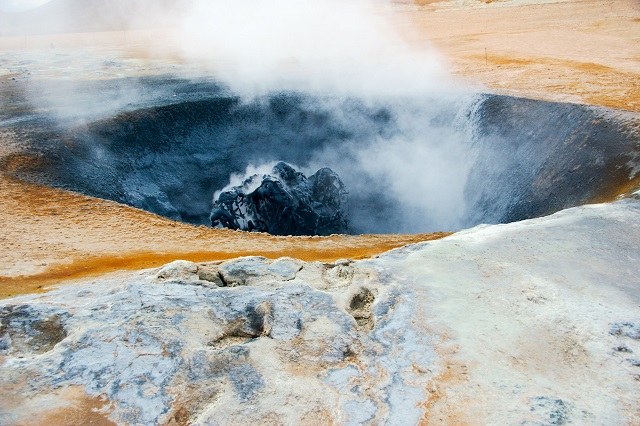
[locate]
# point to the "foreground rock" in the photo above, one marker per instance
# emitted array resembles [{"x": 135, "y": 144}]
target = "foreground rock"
[
  {"x": 284, "y": 202},
  {"x": 532, "y": 323}
]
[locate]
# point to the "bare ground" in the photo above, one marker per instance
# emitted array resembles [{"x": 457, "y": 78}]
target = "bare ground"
[
  {"x": 585, "y": 51},
  {"x": 51, "y": 235}
]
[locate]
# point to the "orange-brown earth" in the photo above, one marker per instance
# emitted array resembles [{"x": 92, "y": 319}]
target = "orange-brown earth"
[
  {"x": 51, "y": 235},
  {"x": 585, "y": 51}
]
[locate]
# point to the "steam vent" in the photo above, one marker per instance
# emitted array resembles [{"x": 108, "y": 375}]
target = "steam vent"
[{"x": 319, "y": 212}]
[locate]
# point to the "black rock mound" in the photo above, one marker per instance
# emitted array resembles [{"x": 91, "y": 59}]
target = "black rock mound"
[{"x": 284, "y": 202}]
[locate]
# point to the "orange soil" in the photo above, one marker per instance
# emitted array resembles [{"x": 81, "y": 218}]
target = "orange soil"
[
  {"x": 50, "y": 235},
  {"x": 584, "y": 51},
  {"x": 82, "y": 409}
]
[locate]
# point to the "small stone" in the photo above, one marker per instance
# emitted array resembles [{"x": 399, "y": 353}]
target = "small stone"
[
  {"x": 625, "y": 329},
  {"x": 634, "y": 362},
  {"x": 178, "y": 270}
]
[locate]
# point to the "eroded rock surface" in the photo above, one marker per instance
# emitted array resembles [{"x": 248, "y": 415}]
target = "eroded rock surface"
[
  {"x": 28, "y": 330},
  {"x": 532, "y": 323},
  {"x": 284, "y": 202},
  {"x": 199, "y": 342}
]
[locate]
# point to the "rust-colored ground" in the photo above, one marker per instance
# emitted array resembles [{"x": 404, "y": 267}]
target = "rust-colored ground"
[
  {"x": 584, "y": 51},
  {"x": 51, "y": 235}
]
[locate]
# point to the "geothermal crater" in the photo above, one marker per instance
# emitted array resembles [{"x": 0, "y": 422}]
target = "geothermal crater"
[
  {"x": 542, "y": 314},
  {"x": 485, "y": 158}
]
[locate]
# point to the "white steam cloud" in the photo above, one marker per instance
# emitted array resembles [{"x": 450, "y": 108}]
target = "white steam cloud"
[
  {"x": 327, "y": 46},
  {"x": 343, "y": 49},
  {"x": 238, "y": 179},
  {"x": 20, "y": 5},
  {"x": 331, "y": 49}
]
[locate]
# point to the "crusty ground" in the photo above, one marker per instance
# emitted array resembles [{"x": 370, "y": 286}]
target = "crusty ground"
[
  {"x": 578, "y": 50},
  {"x": 585, "y": 51}
]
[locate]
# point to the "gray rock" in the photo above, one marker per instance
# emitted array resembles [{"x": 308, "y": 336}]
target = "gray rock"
[
  {"x": 625, "y": 329},
  {"x": 26, "y": 330},
  {"x": 183, "y": 271},
  {"x": 284, "y": 202},
  {"x": 254, "y": 271},
  {"x": 164, "y": 347},
  {"x": 549, "y": 411}
]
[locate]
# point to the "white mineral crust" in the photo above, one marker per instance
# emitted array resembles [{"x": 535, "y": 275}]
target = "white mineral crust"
[{"x": 531, "y": 323}]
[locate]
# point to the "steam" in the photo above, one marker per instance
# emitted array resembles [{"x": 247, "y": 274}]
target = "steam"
[
  {"x": 422, "y": 170},
  {"x": 20, "y": 5},
  {"x": 336, "y": 51},
  {"x": 320, "y": 46},
  {"x": 238, "y": 179},
  {"x": 339, "y": 50}
]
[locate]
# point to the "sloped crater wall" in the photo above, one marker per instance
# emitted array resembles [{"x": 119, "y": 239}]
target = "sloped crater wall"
[{"x": 517, "y": 158}]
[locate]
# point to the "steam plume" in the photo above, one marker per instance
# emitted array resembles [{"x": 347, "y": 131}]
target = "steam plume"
[
  {"x": 339, "y": 50},
  {"x": 336, "y": 51}
]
